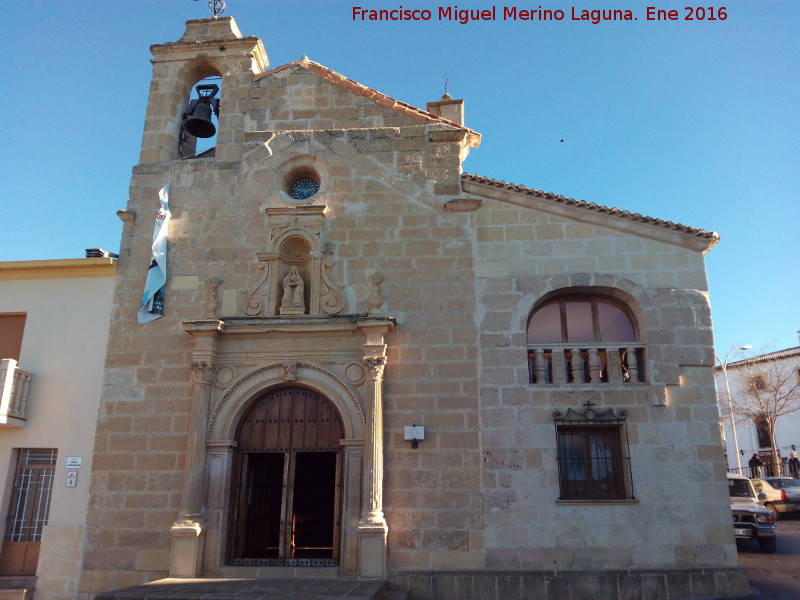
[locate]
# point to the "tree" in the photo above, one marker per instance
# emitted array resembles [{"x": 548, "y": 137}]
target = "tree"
[{"x": 767, "y": 390}]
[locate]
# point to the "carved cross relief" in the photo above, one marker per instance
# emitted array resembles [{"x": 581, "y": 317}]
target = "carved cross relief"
[{"x": 296, "y": 276}]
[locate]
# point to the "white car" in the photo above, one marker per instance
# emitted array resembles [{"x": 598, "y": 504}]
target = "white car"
[
  {"x": 751, "y": 520},
  {"x": 783, "y": 494}
]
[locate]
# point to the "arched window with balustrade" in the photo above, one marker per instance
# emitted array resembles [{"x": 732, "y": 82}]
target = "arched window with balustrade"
[{"x": 584, "y": 338}]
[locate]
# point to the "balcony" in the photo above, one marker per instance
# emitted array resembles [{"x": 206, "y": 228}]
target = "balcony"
[
  {"x": 14, "y": 384},
  {"x": 567, "y": 364}
]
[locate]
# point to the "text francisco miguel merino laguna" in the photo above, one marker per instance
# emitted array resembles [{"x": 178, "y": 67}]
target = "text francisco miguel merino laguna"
[{"x": 506, "y": 13}]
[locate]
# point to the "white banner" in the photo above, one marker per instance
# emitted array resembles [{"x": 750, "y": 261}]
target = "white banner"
[{"x": 153, "y": 298}]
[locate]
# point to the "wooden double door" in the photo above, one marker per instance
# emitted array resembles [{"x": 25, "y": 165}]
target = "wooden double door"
[{"x": 287, "y": 495}]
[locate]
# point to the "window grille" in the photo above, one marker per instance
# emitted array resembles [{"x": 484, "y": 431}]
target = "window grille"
[{"x": 593, "y": 455}]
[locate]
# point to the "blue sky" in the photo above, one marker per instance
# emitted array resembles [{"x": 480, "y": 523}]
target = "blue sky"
[{"x": 692, "y": 121}]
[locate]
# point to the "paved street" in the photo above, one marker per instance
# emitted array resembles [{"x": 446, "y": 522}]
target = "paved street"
[{"x": 775, "y": 576}]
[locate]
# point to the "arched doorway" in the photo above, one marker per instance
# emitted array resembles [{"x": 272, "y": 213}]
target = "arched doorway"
[{"x": 286, "y": 496}]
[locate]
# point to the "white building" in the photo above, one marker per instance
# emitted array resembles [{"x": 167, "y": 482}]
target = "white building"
[
  {"x": 54, "y": 317},
  {"x": 746, "y": 372}
]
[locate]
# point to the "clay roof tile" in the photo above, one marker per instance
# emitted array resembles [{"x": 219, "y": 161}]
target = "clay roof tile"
[
  {"x": 711, "y": 236},
  {"x": 401, "y": 107}
]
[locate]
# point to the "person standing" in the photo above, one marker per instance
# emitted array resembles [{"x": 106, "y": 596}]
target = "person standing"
[
  {"x": 755, "y": 466},
  {"x": 794, "y": 465}
]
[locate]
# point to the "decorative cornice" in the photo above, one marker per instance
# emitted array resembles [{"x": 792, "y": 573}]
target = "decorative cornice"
[
  {"x": 126, "y": 216},
  {"x": 57, "y": 269},
  {"x": 203, "y": 327},
  {"x": 293, "y": 213},
  {"x": 222, "y": 445},
  {"x": 301, "y": 323},
  {"x": 463, "y": 205}
]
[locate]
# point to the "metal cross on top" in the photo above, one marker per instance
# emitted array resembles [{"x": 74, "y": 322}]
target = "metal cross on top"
[
  {"x": 217, "y": 7},
  {"x": 589, "y": 413}
]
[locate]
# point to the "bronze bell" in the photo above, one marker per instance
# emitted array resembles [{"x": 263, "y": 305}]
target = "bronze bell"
[{"x": 198, "y": 123}]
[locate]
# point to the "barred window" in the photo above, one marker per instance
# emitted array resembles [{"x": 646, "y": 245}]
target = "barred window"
[
  {"x": 584, "y": 339},
  {"x": 30, "y": 502},
  {"x": 756, "y": 383},
  {"x": 592, "y": 454}
]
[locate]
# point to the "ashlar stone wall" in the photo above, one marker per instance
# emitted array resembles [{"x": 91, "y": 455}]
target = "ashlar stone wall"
[
  {"x": 523, "y": 255},
  {"x": 458, "y": 272},
  {"x": 385, "y": 178}
]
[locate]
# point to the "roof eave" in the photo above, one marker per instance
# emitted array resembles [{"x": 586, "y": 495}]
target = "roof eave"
[
  {"x": 577, "y": 210},
  {"x": 768, "y": 357},
  {"x": 471, "y": 138},
  {"x": 58, "y": 268}
]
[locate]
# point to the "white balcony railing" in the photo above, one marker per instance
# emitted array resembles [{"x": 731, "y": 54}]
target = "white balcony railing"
[
  {"x": 566, "y": 363},
  {"x": 14, "y": 384}
]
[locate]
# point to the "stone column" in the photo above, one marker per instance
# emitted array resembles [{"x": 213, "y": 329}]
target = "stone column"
[
  {"x": 194, "y": 482},
  {"x": 372, "y": 509},
  {"x": 188, "y": 532},
  {"x": 372, "y": 528}
]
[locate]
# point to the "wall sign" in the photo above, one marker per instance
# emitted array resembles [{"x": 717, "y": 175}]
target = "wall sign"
[{"x": 74, "y": 462}]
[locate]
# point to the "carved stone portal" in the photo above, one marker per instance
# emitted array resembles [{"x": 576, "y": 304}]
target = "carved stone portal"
[{"x": 297, "y": 273}]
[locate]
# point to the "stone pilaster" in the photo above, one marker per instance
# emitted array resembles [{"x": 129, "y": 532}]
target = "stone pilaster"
[
  {"x": 188, "y": 532},
  {"x": 372, "y": 529},
  {"x": 194, "y": 489}
]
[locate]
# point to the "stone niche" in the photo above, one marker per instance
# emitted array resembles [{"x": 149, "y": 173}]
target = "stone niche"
[{"x": 297, "y": 278}]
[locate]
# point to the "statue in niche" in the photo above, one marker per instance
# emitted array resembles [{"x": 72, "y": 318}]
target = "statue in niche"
[{"x": 293, "y": 302}]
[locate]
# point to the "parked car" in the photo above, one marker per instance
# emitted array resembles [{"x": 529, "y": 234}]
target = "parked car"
[
  {"x": 783, "y": 494},
  {"x": 751, "y": 520}
]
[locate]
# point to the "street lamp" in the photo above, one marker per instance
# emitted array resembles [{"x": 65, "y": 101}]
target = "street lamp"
[{"x": 724, "y": 365}]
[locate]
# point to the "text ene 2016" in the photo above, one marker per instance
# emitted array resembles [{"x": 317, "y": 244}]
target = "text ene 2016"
[{"x": 692, "y": 13}]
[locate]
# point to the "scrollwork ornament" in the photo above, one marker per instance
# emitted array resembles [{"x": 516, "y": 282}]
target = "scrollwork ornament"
[
  {"x": 253, "y": 300},
  {"x": 331, "y": 296}
]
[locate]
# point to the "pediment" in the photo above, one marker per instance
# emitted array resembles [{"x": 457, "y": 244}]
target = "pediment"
[{"x": 390, "y": 106}]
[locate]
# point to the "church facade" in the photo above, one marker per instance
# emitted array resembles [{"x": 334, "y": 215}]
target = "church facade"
[{"x": 372, "y": 364}]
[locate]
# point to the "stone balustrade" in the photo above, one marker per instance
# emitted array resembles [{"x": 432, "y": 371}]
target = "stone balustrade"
[
  {"x": 14, "y": 384},
  {"x": 569, "y": 363}
]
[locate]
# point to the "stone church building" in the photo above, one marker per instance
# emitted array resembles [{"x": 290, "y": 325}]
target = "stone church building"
[{"x": 373, "y": 364}]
